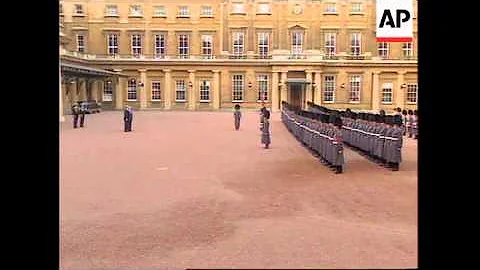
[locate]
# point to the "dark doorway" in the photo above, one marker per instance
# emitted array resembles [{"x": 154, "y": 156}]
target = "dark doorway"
[{"x": 296, "y": 94}]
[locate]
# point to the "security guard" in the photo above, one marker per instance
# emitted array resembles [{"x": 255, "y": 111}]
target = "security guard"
[{"x": 75, "y": 112}]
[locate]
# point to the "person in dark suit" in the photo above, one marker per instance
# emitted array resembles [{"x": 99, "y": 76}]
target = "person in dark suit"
[
  {"x": 265, "y": 128},
  {"x": 75, "y": 112},
  {"x": 237, "y": 115},
  {"x": 127, "y": 118},
  {"x": 83, "y": 111}
]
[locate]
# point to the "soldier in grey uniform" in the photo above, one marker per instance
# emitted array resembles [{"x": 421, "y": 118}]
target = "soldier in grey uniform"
[
  {"x": 75, "y": 112},
  {"x": 338, "y": 158},
  {"x": 404, "y": 121},
  {"x": 237, "y": 115},
  {"x": 387, "y": 147},
  {"x": 415, "y": 124},
  {"x": 409, "y": 123},
  {"x": 265, "y": 128},
  {"x": 395, "y": 154}
]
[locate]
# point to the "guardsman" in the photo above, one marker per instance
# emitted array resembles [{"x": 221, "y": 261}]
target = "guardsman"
[
  {"x": 83, "y": 111},
  {"x": 415, "y": 124},
  {"x": 409, "y": 123},
  {"x": 75, "y": 112},
  {"x": 396, "y": 143},
  {"x": 237, "y": 115},
  {"x": 387, "y": 147},
  {"x": 127, "y": 118},
  {"x": 338, "y": 159},
  {"x": 404, "y": 121}
]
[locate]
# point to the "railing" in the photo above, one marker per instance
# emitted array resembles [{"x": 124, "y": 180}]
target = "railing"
[{"x": 308, "y": 56}]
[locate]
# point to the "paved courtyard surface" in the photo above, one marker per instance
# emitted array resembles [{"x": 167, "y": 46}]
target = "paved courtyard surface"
[{"x": 184, "y": 190}]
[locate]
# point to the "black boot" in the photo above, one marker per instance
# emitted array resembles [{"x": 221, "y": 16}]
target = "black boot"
[
  {"x": 339, "y": 169},
  {"x": 395, "y": 167}
]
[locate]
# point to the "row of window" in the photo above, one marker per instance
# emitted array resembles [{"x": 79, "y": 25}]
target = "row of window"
[
  {"x": 238, "y": 45},
  {"x": 262, "y": 93},
  {"x": 184, "y": 11}
]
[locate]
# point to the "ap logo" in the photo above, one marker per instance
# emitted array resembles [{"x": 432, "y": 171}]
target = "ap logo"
[{"x": 394, "y": 20}]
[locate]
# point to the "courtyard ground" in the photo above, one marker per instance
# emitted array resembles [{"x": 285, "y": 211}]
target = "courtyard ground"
[{"x": 185, "y": 190}]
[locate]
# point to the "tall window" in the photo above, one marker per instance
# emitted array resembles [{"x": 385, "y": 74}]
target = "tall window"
[
  {"x": 132, "y": 90},
  {"x": 204, "y": 91},
  {"x": 80, "y": 43},
  {"x": 183, "y": 11},
  {"x": 180, "y": 91},
  {"x": 238, "y": 41},
  {"x": 78, "y": 9},
  {"x": 263, "y": 8},
  {"x": 156, "y": 93},
  {"x": 136, "y": 45},
  {"x": 107, "y": 91},
  {"x": 207, "y": 43},
  {"x": 329, "y": 88},
  {"x": 356, "y": 7},
  {"x": 206, "y": 11},
  {"x": 330, "y": 44},
  {"x": 387, "y": 93},
  {"x": 263, "y": 44},
  {"x": 183, "y": 48},
  {"x": 160, "y": 49},
  {"x": 412, "y": 92},
  {"x": 355, "y": 48},
  {"x": 112, "y": 44},
  {"x": 297, "y": 43},
  {"x": 159, "y": 11},
  {"x": 262, "y": 81},
  {"x": 383, "y": 49},
  {"x": 407, "y": 49},
  {"x": 237, "y": 88},
  {"x": 136, "y": 10},
  {"x": 238, "y": 8},
  {"x": 112, "y": 10},
  {"x": 355, "y": 87},
  {"x": 331, "y": 8}
]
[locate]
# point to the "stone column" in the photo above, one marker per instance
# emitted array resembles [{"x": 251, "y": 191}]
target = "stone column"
[
  {"x": 400, "y": 97},
  {"x": 143, "y": 89},
  {"x": 94, "y": 90},
  {"x": 147, "y": 43},
  {"x": 192, "y": 91},
  {"x": 216, "y": 89},
  {"x": 308, "y": 88},
  {"x": 318, "y": 88},
  {"x": 275, "y": 94},
  {"x": 83, "y": 89},
  {"x": 120, "y": 86},
  {"x": 376, "y": 91},
  {"x": 168, "y": 89},
  {"x": 283, "y": 95},
  {"x": 60, "y": 95}
]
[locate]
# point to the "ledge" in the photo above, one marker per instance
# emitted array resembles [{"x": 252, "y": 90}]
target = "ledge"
[
  {"x": 206, "y": 16},
  {"x": 159, "y": 16},
  {"x": 111, "y": 16},
  {"x": 330, "y": 13},
  {"x": 357, "y": 13}
]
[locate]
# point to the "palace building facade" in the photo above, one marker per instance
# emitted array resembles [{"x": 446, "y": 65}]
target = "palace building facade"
[{"x": 212, "y": 54}]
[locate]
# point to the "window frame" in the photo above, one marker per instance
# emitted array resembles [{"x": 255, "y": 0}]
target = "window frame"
[
  {"x": 296, "y": 50},
  {"x": 327, "y": 87},
  {"x": 160, "y": 55},
  {"x": 259, "y": 10},
  {"x": 261, "y": 47},
  {"x": 134, "y": 47},
  {"x": 210, "y": 47},
  {"x": 77, "y": 43},
  {"x": 354, "y": 11},
  {"x": 154, "y": 92},
  {"x": 130, "y": 91},
  {"x": 385, "y": 86},
  {"x": 328, "y": 5},
  {"x": 108, "y": 13},
  {"x": 107, "y": 91},
  {"x": 408, "y": 92},
  {"x": 359, "y": 45},
  {"x": 181, "y": 12},
  {"x": 263, "y": 82},
  {"x": 237, "y": 11},
  {"x": 238, "y": 53},
  {"x": 157, "y": 14},
  {"x": 328, "y": 46},
  {"x": 185, "y": 48},
  {"x": 113, "y": 47},
  {"x": 76, "y": 10},
  {"x": 202, "y": 90},
  {"x": 204, "y": 14},
  {"x": 133, "y": 13},
  {"x": 406, "y": 49},
  {"x": 178, "y": 83},
  {"x": 352, "y": 88},
  {"x": 383, "y": 49},
  {"x": 238, "y": 87}
]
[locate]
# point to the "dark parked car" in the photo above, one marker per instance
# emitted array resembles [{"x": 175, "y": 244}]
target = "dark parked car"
[{"x": 92, "y": 106}]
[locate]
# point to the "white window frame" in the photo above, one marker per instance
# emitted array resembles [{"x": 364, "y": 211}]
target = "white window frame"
[
  {"x": 355, "y": 88},
  {"x": 136, "y": 45},
  {"x": 330, "y": 7},
  {"x": 180, "y": 87},
  {"x": 407, "y": 48},
  {"x": 207, "y": 46},
  {"x": 238, "y": 49},
  {"x": 183, "y": 49},
  {"x": 410, "y": 88},
  {"x": 264, "y": 8},
  {"x": 205, "y": 86},
  {"x": 132, "y": 90},
  {"x": 115, "y": 47},
  {"x": 354, "y": 7},
  {"x": 136, "y": 10},
  {"x": 156, "y": 91},
  {"x": 160, "y": 49},
  {"x": 79, "y": 10},
  {"x": 383, "y": 49},
  {"x": 238, "y": 86},
  {"x": 263, "y": 45},
  {"x": 330, "y": 44},
  {"x": 354, "y": 39},
  {"x": 159, "y": 11},
  {"x": 111, "y": 10},
  {"x": 263, "y": 87},
  {"x": 387, "y": 91},
  {"x": 206, "y": 11},
  {"x": 329, "y": 88},
  {"x": 107, "y": 93},
  {"x": 183, "y": 12},
  {"x": 238, "y": 8},
  {"x": 297, "y": 41},
  {"x": 80, "y": 48}
]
